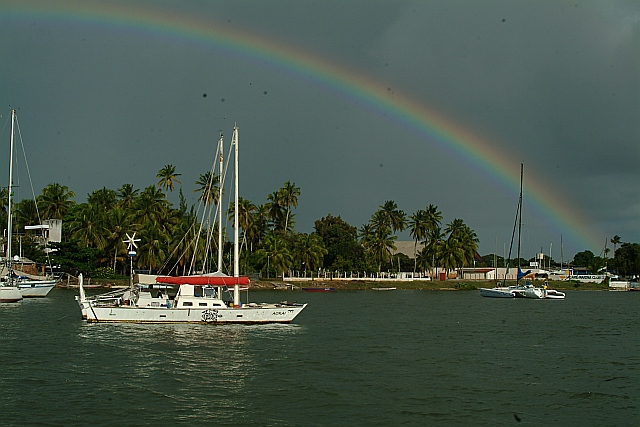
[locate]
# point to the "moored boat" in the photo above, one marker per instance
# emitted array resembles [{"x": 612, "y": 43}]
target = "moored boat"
[
  {"x": 36, "y": 288},
  {"x": 192, "y": 304},
  {"x": 554, "y": 294},
  {"x": 498, "y": 292},
  {"x": 33, "y": 286},
  {"x": 9, "y": 292},
  {"x": 318, "y": 289},
  {"x": 520, "y": 291},
  {"x": 202, "y": 298},
  {"x": 28, "y": 285}
]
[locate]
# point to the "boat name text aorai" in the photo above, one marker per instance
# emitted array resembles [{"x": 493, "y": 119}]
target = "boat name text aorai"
[
  {"x": 210, "y": 315},
  {"x": 282, "y": 313}
]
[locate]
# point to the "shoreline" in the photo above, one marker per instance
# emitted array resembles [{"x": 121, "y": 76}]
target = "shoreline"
[{"x": 357, "y": 285}]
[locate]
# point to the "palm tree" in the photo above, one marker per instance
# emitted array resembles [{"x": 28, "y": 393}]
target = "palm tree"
[
  {"x": 152, "y": 205},
  {"x": 379, "y": 221},
  {"x": 182, "y": 242},
  {"x": 433, "y": 247},
  {"x": 433, "y": 238},
  {"x": 460, "y": 248},
  {"x": 182, "y": 204},
  {"x": 152, "y": 250},
  {"x": 256, "y": 227},
  {"x": 277, "y": 215},
  {"x": 104, "y": 198},
  {"x": 309, "y": 251},
  {"x": 275, "y": 253},
  {"x": 55, "y": 201},
  {"x": 455, "y": 228},
  {"x": 168, "y": 178},
  {"x": 288, "y": 196},
  {"x": 118, "y": 223},
  {"x": 381, "y": 245},
  {"x": 424, "y": 259},
  {"x": 450, "y": 255},
  {"x": 616, "y": 240},
  {"x": 392, "y": 217},
  {"x": 433, "y": 217},
  {"x": 127, "y": 195},
  {"x": 418, "y": 229},
  {"x": 208, "y": 188},
  {"x": 365, "y": 235},
  {"x": 26, "y": 213},
  {"x": 246, "y": 209},
  {"x": 87, "y": 226},
  {"x": 469, "y": 245}
]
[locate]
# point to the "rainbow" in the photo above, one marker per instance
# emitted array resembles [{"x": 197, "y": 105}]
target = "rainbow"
[{"x": 419, "y": 118}]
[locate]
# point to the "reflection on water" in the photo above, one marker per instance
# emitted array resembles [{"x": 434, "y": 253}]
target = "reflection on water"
[
  {"x": 200, "y": 371},
  {"x": 352, "y": 358}
]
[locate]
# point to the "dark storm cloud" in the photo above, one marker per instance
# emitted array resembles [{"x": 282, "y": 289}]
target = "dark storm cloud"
[{"x": 553, "y": 84}]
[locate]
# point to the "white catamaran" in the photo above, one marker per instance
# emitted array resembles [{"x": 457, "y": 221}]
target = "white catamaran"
[
  {"x": 199, "y": 298},
  {"x": 518, "y": 290}
]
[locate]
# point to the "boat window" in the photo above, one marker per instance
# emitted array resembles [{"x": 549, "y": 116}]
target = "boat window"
[
  {"x": 197, "y": 291},
  {"x": 203, "y": 304},
  {"x": 187, "y": 304},
  {"x": 208, "y": 292}
]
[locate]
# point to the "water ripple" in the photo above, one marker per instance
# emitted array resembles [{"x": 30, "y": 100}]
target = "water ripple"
[{"x": 353, "y": 358}]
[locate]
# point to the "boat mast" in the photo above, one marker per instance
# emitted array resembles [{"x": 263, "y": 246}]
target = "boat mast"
[
  {"x": 236, "y": 260},
  {"x": 519, "y": 222},
  {"x": 561, "y": 254},
  {"x": 220, "y": 148},
  {"x": 10, "y": 197}
]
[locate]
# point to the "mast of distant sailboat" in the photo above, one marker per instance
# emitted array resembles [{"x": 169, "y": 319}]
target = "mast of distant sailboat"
[
  {"x": 561, "y": 254},
  {"x": 10, "y": 199},
  {"x": 519, "y": 222}
]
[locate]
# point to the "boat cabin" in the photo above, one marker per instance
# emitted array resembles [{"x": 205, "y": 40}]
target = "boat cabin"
[{"x": 199, "y": 296}]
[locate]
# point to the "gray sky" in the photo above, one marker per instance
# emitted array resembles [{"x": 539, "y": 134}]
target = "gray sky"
[{"x": 109, "y": 92}]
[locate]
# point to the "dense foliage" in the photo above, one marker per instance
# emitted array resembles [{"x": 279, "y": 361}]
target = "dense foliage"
[{"x": 175, "y": 240}]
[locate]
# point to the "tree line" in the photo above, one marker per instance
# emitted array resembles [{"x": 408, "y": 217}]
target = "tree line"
[
  {"x": 171, "y": 237},
  {"x": 94, "y": 232}
]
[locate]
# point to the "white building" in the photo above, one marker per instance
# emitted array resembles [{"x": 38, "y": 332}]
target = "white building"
[{"x": 51, "y": 231}]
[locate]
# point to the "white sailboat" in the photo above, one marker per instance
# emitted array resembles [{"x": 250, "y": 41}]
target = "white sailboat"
[
  {"x": 9, "y": 292},
  {"x": 199, "y": 298},
  {"x": 29, "y": 285},
  {"x": 520, "y": 291},
  {"x": 34, "y": 287}
]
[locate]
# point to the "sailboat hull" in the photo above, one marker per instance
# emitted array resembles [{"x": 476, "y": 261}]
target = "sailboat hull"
[
  {"x": 269, "y": 313},
  {"x": 497, "y": 292},
  {"x": 9, "y": 294},
  {"x": 36, "y": 289},
  {"x": 529, "y": 292}
]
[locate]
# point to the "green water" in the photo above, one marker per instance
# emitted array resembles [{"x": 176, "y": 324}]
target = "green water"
[{"x": 351, "y": 358}]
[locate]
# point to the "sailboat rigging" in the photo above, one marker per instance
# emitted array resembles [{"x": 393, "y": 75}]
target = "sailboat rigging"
[
  {"x": 519, "y": 291},
  {"x": 30, "y": 285},
  {"x": 9, "y": 291},
  {"x": 199, "y": 298}
]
